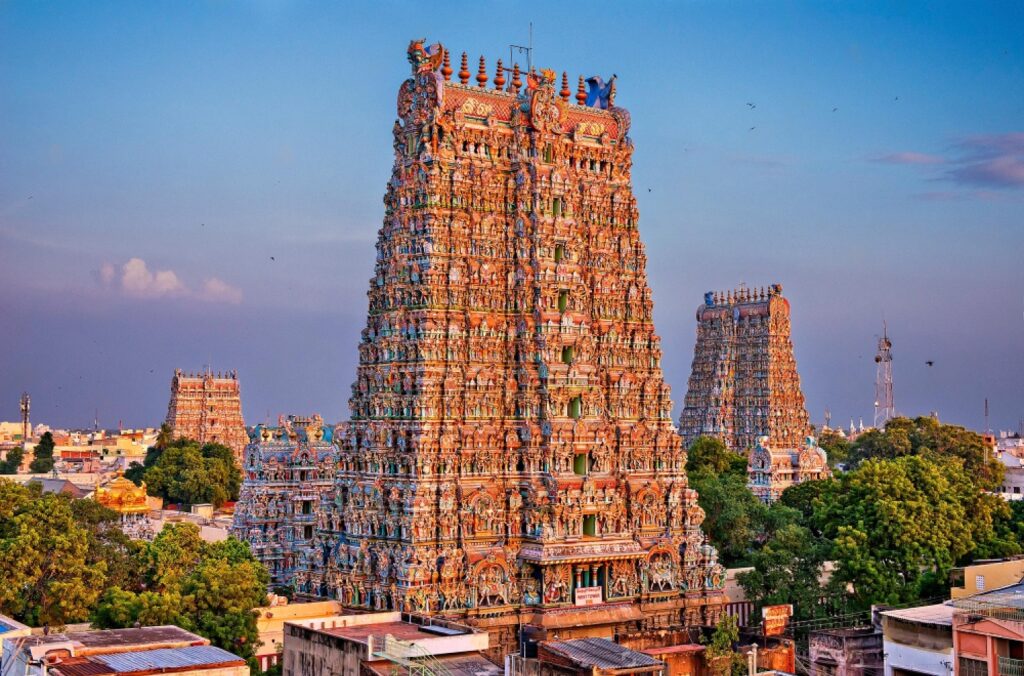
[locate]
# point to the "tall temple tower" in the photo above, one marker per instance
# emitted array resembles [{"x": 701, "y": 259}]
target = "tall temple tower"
[
  {"x": 208, "y": 408},
  {"x": 743, "y": 382},
  {"x": 745, "y": 390},
  {"x": 511, "y": 458}
]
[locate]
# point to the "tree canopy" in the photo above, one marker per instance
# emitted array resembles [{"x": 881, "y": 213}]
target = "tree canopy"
[
  {"x": 42, "y": 457},
  {"x": 209, "y": 588},
  {"x": 64, "y": 561},
  {"x": 185, "y": 472}
]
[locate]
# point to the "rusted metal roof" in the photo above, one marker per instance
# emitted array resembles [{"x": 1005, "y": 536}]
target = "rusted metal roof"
[{"x": 601, "y": 653}]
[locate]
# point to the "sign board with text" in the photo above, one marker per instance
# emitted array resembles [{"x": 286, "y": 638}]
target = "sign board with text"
[
  {"x": 589, "y": 596},
  {"x": 775, "y": 619}
]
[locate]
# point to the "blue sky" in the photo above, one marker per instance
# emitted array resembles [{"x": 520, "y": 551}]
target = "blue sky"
[{"x": 154, "y": 156}]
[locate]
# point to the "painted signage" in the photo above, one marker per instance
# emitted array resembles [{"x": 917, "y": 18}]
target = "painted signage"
[{"x": 589, "y": 596}]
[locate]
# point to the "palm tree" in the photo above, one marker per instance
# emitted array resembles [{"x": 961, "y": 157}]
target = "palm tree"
[{"x": 165, "y": 437}]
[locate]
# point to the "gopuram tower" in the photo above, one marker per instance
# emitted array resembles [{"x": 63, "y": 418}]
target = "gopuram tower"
[
  {"x": 207, "y": 407},
  {"x": 745, "y": 390},
  {"x": 511, "y": 458}
]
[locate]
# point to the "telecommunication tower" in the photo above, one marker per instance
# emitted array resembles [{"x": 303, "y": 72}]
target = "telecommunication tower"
[
  {"x": 885, "y": 409},
  {"x": 26, "y": 427}
]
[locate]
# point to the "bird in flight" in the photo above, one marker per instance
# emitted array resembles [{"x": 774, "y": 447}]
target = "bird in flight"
[
  {"x": 930, "y": 363},
  {"x": 751, "y": 105},
  {"x": 834, "y": 109},
  {"x": 272, "y": 258},
  {"x": 753, "y": 128}
]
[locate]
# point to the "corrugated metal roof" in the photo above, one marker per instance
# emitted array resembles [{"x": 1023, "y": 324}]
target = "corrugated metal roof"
[
  {"x": 940, "y": 614},
  {"x": 601, "y": 653},
  {"x": 166, "y": 658}
]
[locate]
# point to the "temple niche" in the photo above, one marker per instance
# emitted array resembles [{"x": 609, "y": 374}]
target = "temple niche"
[
  {"x": 511, "y": 458},
  {"x": 285, "y": 509},
  {"x": 744, "y": 389}
]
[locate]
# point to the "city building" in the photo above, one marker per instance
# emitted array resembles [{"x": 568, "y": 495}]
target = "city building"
[
  {"x": 985, "y": 576},
  {"x": 285, "y": 507},
  {"x": 744, "y": 389},
  {"x": 918, "y": 640},
  {"x": 511, "y": 458},
  {"x": 207, "y": 407},
  {"x": 270, "y": 621},
  {"x": 384, "y": 643},
  {"x": 119, "y": 652},
  {"x": 988, "y": 633},
  {"x": 1010, "y": 451},
  {"x": 847, "y": 651}
]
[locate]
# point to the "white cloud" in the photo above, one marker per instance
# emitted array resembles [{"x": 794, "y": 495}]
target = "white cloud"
[
  {"x": 136, "y": 280},
  {"x": 216, "y": 290}
]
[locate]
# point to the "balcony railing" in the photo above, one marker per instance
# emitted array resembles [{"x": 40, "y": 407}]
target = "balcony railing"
[{"x": 1011, "y": 667}]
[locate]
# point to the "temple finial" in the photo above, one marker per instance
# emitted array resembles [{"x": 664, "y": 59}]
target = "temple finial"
[
  {"x": 499, "y": 77},
  {"x": 566, "y": 92},
  {"x": 481, "y": 76},
  {"x": 516, "y": 81},
  {"x": 581, "y": 93},
  {"x": 464, "y": 70},
  {"x": 446, "y": 68}
]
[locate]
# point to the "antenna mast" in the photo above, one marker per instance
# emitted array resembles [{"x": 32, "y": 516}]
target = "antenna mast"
[
  {"x": 885, "y": 410},
  {"x": 527, "y": 49},
  {"x": 26, "y": 426}
]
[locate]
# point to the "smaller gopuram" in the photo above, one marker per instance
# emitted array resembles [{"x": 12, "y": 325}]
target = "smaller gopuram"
[
  {"x": 745, "y": 390},
  {"x": 285, "y": 505},
  {"x": 772, "y": 470},
  {"x": 131, "y": 503},
  {"x": 207, "y": 407}
]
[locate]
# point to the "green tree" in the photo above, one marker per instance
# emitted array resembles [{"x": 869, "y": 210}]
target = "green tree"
[
  {"x": 708, "y": 455},
  {"x": 722, "y": 657},
  {"x": 12, "y": 462},
  {"x": 164, "y": 437},
  {"x": 788, "y": 570},
  {"x": 803, "y": 496},
  {"x": 927, "y": 436},
  {"x": 836, "y": 447},
  {"x": 109, "y": 544},
  {"x": 899, "y": 525},
  {"x": 42, "y": 460},
  {"x": 46, "y": 576},
  {"x": 209, "y": 588},
  {"x": 191, "y": 474}
]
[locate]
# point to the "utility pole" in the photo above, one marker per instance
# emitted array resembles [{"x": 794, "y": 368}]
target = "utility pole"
[{"x": 885, "y": 410}]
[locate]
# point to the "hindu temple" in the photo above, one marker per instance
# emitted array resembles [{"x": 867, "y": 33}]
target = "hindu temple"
[
  {"x": 207, "y": 407},
  {"x": 131, "y": 504},
  {"x": 510, "y": 458},
  {"x": 286, "y": 500},
  {"x": 744, "y": 388}
]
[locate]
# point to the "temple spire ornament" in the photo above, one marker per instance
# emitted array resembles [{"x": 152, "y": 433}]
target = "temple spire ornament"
[
  {"x": 499, "y": 76},
  {"x": 464, "y": 70},
  {"x": 481, "y": 76},
  {"x": 581, "y": 92},
  {"x": 565, "y": 93},
  {"x": 516, "y": 83},
  {"x": 446, "y": 69}
]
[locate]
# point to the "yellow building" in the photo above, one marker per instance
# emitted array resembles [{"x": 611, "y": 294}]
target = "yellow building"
[{"x": 982, "y": 577}]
